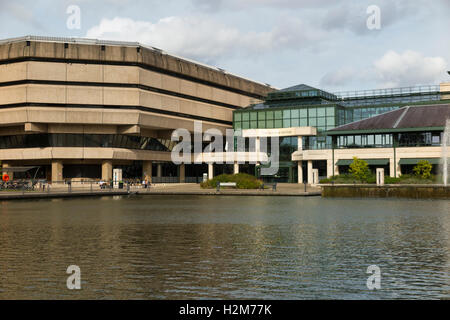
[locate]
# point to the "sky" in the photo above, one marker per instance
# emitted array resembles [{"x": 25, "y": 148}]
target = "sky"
[{"x": 335, "y": 45}]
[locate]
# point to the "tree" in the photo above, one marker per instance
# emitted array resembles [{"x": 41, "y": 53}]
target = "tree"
[
  {"x": 423, "y": 169},
  {"x": 359, "y": 169}
]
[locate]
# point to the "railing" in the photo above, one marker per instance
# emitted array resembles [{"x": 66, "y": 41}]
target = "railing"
[
  {"x": 21, "y": 186},
  {"x": 425, "y": 89}
]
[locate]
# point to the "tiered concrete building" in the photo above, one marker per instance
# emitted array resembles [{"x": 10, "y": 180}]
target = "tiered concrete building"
[{"x": 79, "y": 108}]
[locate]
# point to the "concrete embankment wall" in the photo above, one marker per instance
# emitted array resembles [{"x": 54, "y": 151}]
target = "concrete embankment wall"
[{"x": 387, "y": 191}]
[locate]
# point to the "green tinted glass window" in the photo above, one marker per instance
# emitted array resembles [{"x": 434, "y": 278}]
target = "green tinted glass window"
[
  {"x": 253, "y": 116},
  {"x": 330, "y": 111},
  {"x": 330, "y": 121},
  {"x": 312, "y": 112},
  {"x": 321, "y": 112},
  {"x": 269, "y": 124},
  {"x": 245, "y": 116},
  {"x": 321, "y": 122},
  {"x": 262, "y": 115},
  {"x": 262, "y": 124},
  {"x": 278, "y": 114},
  {"x": 303, "y": 122},
  {"x": 295, "y": 122},
  {"x": 313, "y": 122},
  {"x": 295, "y": 113},
  {"x": 237, "y": 116},
  {"x": 245, "y": 125},
  {"x": 303, "y": 113},
  {"x": 278, "y": 123},
  {"x": 286, "y": 123},
  {"x": 269, "y": 115},
  {"x": 286, "y": 114},
  {"x": 237, "y": 125},
  {"x": 253, "y": 124}
]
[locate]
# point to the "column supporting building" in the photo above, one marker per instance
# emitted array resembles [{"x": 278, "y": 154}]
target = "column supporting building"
[
  {"x": 300, "y": 171},
  {"x": 159, "y": 170},
  {"x": 236, "y": 168},
  {"x": 107, "y": 169},
  {"x": 310, "y": 172},
  {"x": 57, "y": 171},
  {"x": 147, "y": 170},
  {"x": 210, "y": 170},
  {"x": 182, "y": 173}
]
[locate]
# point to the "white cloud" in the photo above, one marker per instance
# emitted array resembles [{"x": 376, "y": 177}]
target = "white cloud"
[
  {"x": 393, "y": 69},
  {"x": 203, "y": 38},
  {"x": 409, "y": 68}
]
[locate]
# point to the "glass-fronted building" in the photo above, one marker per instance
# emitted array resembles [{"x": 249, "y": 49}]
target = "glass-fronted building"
[{"x": 305, "y": 106}]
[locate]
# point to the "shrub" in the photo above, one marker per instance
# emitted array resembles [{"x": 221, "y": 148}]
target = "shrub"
[
  {"x": 423, "y": 169},
  {"x": 243, "y": 181},
  {"x": 359, "y": 169}
]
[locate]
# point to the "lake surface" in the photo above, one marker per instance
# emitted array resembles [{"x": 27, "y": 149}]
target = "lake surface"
[{"x": 226, "y": 247}]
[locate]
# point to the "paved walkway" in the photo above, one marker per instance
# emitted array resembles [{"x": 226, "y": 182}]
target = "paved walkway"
[{"x": 159, "y": 189}]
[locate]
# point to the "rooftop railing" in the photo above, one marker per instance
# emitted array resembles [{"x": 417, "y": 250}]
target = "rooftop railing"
[{"x": 390, "y": 92}]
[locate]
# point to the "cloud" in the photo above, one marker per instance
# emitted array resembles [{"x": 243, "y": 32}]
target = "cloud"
[
  {"x": 393, "y": 69},
  {"x": 205, "y": 39},
  {"x": 409, "y": 68}
]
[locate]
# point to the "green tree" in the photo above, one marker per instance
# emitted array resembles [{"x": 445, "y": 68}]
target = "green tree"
[
  {"x": 423, "y": 169},
  {"x": 359, "y": 169}
]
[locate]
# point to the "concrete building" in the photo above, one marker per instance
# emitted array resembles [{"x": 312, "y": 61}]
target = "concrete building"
[{"x": 79, "y": 108}]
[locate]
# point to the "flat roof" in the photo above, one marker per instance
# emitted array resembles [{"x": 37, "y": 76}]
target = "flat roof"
[{"x": 86, "y": 41}]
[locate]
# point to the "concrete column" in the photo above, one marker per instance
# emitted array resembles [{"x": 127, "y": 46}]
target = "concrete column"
[
  {"x": 107, "y": 169},
  {"x": 147, "y": 170},
  {"x": 10, "y": 174},
  {"x": 336, "y": 169},
  {"x": 182, "y": 173},
  {"x": 300, "y": 143},
  {"x": 210, "y": 171},
  {"x": 394, "y": 169},
  {"x": 159, "y": 170},
  {"x": 315, "y": 175},
  {"x": 310, "y": 172},
  {"x": 300, "y": 171},
  {"x": 380, "y": 176},
  {"x": 236, "y": 168},
  {"x": 329, "y": 168},
  {"x": 398, "y": 172},
  {"x": 57, "y": 171},
  {"x": 257, "y": 148}
]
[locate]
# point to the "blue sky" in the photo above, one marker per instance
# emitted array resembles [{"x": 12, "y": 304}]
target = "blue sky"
[{"x": 323, "y": 43}]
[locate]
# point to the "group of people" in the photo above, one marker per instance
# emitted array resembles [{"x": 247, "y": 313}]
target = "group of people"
[{"x": 146, "y": 183}]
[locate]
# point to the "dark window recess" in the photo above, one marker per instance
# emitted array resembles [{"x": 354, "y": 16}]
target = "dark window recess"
[{"x": 85, "y": 140}]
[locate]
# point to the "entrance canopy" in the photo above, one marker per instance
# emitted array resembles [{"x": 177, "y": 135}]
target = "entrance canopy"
[
  {"x": 415, "y": 161},
  {"x": 371, "y": 162}
]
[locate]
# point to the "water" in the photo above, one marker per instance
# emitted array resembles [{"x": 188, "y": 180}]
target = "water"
[
  {"x": 160, "y": 247},
  {"x": 446, "y": 152}
]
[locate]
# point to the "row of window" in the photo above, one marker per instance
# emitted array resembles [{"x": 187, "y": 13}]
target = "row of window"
[
  {"x": 388, "y": 140},
  {"x": 84, "y": 140}
]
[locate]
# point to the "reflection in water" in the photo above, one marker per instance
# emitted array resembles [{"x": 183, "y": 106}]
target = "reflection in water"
[{"x": 224, "y": 247}]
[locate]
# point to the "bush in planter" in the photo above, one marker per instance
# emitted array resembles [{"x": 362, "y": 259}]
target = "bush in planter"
[
  {"x": 423, "y": 169},
  {"x": 359, "y": 169},
  {"x": 243, "y": 181}
]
